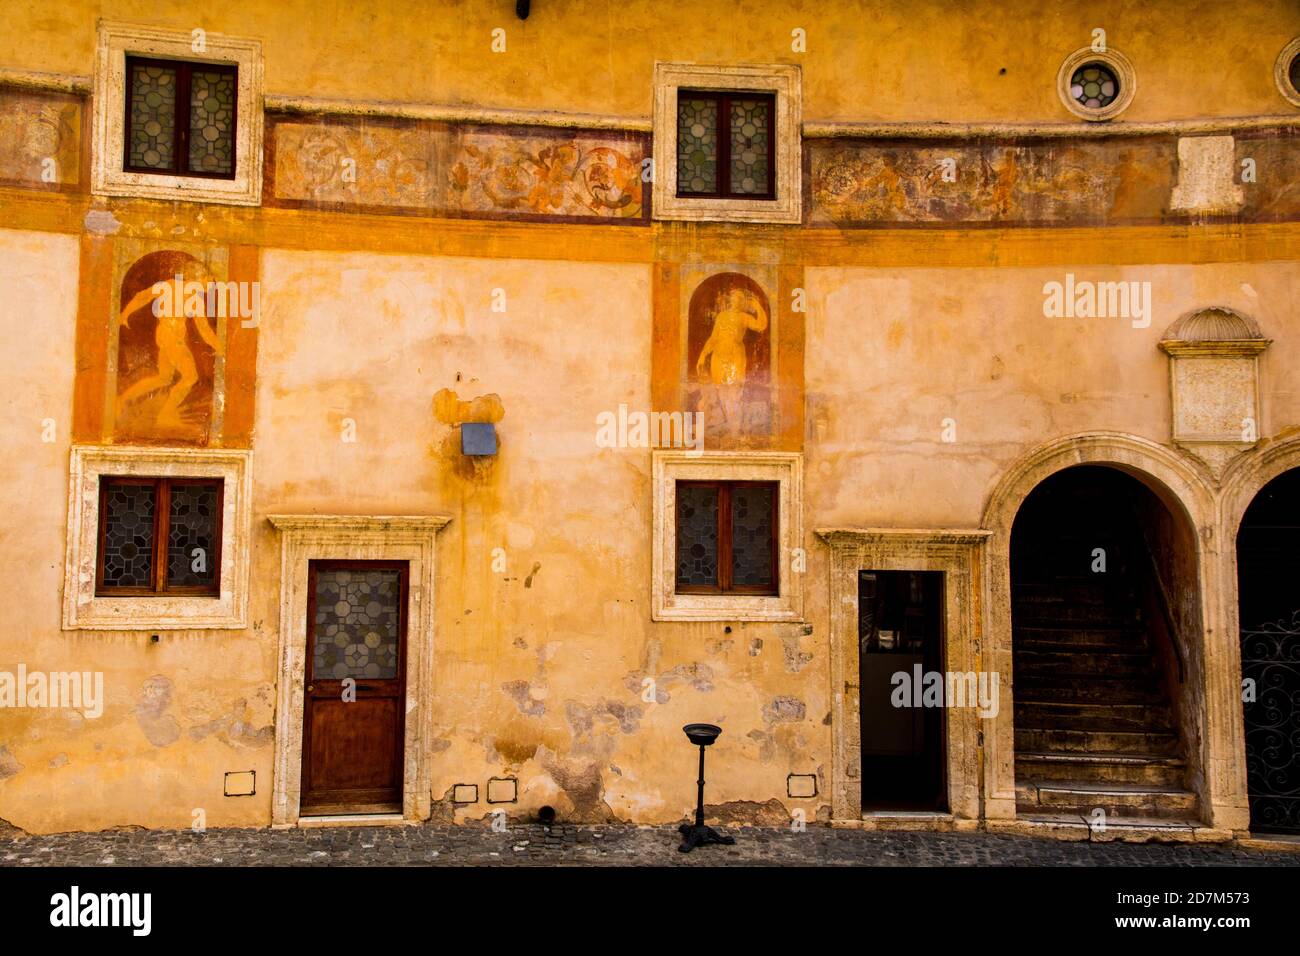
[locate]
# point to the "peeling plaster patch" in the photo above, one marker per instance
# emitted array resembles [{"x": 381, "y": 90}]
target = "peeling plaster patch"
[
  {"x": 7, "y": 829},
  {"x": 150, "y": 712},
  {"x": 795, "y": 659},
  {"x": 720, "y": 647},
  {"x": 826, "y": 721},
  {"x": 101, "y": 222},
  {"x": 520, "y": 643},
  {"x": 582, "y": 786},
  {"x": 771, "y": 813},
  {"x": 444, "y": 810},
  {"x": 521, "y": 692},
  {"x": 699, "y": 676},
  {"x": 439, "y": 744},
  {"x": 528, "y": 581},
  {"x": 766, "y": 744},
  {"x": 9, "y": 765},
  {"x": 582, "y": 718},
  {"x": 755, "y": 646},
  {"x": 59, "y": 760},
  {"x": 785, "y": 710},
  {"x": 235, "y": 730}
]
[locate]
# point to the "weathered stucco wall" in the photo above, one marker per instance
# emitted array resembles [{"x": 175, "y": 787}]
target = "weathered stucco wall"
[
  {"x": 895, "y": 61},
  {"x": 535, "y": 290}
]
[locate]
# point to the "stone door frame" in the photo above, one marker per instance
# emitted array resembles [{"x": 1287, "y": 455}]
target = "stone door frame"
[
  {"x": 304, "y": 538},
  {"x": 956, "y": 553},
  {"x": 1187, "y": 488}
]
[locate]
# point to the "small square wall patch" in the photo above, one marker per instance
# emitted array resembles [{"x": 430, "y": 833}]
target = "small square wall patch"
[{"x": 478, "y": 438}]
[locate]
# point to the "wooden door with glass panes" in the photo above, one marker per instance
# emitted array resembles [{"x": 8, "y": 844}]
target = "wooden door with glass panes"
[{"x": 355, "y": 687}]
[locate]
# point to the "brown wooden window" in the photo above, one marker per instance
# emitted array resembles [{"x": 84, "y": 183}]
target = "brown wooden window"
[
  {"x": 159, "y": 536},
  {"x": 726, "y": 144},
  {"x": 727, "y": 537},
  {"x": 180, "y": 118}
]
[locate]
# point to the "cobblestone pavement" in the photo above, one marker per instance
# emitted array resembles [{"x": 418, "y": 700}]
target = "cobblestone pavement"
[{"x": 535, "y": 845}]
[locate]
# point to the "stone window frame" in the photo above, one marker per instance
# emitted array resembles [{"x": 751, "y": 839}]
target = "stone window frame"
[
  {"x": 108, "y": 176},
  {"x": 1113, "y": 60},
  {"x": 782, "y": 80},
  {"x": 303, "y": 539},
  {"x": 958, "y": 554},
  {"x": 83, "y": 609},
  {"x": 1282, "y": 72},
  {"x": 785, "y": 468}
]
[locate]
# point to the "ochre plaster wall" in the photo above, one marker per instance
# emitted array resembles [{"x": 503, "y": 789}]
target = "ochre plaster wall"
[{"x": 900, "y": 60}]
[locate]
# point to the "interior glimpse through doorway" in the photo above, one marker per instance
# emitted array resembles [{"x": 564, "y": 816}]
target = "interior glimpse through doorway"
[{"x": 900, "y": 640}]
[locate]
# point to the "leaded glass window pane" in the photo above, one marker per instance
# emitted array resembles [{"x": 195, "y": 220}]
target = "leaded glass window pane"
[
  {"x": 357, "y": 624},
  {"x": 1094, "y": 85},
  {"x": 697, "y": 535},
  {"x": 128, "y": 522},
  {"x": 752, "y": 506},
  {"x": 751, "y": 131},
  {"x": 697, "y": 145},
  {"x": 152, "y": 117},
  {"x": 192, "y": 534},
  {"x": 212, "y": 121}
]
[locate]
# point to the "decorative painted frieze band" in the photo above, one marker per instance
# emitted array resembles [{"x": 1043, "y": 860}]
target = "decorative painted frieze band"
[{"x": 423, "y": 167}]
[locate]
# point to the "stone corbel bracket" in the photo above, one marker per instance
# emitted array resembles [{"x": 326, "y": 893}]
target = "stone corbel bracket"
[{"x": 1214, "y": 383}]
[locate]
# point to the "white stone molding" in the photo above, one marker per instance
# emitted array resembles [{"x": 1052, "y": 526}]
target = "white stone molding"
[
  {"x": 108, "y": 178},
  {"x": 305, "y": 538},
  {"x": 82, "y": 609},
  {"x": 669, "y": 467},
  {"x": 1214, "y": 383},
  {"x": 957, "y": 554},
  {"x": 784, "y": 81}
]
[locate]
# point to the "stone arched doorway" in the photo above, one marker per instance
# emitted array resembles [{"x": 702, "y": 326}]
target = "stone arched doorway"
[
  {"x": 1104, "y": 595},
  {"x": 1268, "y": 594}
]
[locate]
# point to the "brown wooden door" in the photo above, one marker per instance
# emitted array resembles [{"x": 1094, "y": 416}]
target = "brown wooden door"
[{"x": 355, "y": 689}]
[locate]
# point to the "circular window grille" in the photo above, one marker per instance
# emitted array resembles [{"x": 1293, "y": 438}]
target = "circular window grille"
[{"x": 1094, "y": 86}]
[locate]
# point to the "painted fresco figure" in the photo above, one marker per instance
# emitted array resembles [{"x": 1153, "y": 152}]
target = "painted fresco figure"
[
  {"x": 176, "y": 368},
  {"x": 722, "y": 361}
]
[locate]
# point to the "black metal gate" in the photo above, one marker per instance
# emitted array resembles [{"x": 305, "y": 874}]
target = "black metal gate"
[{"x": 1270, "y": 671}]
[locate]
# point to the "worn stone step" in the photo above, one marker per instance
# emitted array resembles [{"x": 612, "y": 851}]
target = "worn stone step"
[
  {"x": 1095, "y": 689},
  {"x": 1121, "y": 828},
  {"x": 1092, "y": 716},
  {"x": 1096, "y": 741},
  {"x": 1163, "y": 770},
  {"x": 1118, "y": 800},
  {"x": 1069, "y": 639},
  {"x": 1031, "y": 614},
  {"x": 1083, "y": 592},
  {"x": 1043, "y": 663}
]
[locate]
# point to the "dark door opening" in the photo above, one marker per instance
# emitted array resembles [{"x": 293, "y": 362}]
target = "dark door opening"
[
  {"x": 1268, "y": 592},
  {"x": 900, "y": 639},
  {"x": 355, "y": 691}
]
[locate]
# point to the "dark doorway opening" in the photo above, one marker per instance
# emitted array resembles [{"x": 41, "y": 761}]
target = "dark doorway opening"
[
  {"x": 900, "y": 640},
  {"x": 1268, "y": 594},
  {"x": 1103, "y": 588}
]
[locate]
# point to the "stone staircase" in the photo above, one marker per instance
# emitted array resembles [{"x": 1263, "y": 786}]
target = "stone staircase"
[{"x": 1094, "y": 726}]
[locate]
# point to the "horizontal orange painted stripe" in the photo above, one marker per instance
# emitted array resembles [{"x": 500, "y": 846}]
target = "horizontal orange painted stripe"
[{"x": 582, "y": 242}]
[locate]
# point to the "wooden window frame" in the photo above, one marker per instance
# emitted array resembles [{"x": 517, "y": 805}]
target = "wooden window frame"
[
  {"x": 723, "y": 100},
  {"x": 724, "y": 529},
  {"x": 181, "y": 122},
  {"x": 161, "y": 526}
]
